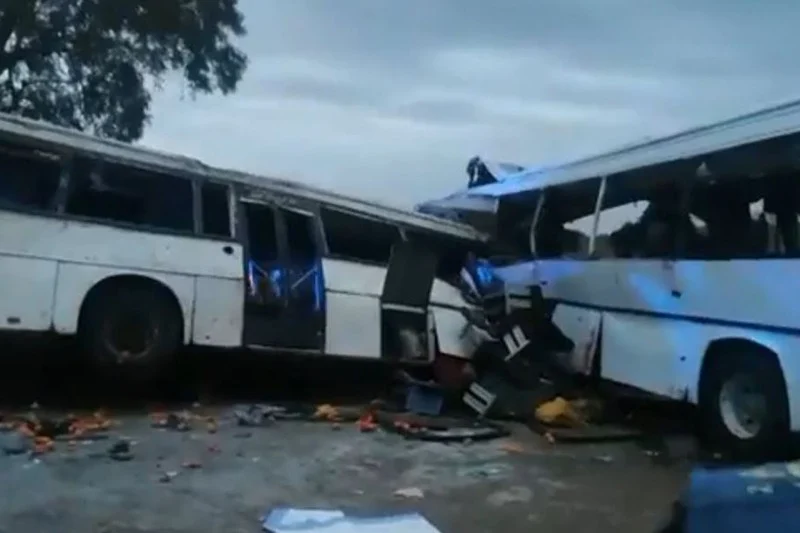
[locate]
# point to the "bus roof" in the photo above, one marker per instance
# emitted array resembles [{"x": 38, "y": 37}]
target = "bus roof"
[
  {"x": 54, "y": 138},
  {"x": 771, "y": 122}
]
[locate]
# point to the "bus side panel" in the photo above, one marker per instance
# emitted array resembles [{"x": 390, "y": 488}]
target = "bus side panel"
[
  {"x": 352, "y": 325},
  {"x": 74, "y": 241},
  {"x": 218, "y": 318},
  {"x": 650, "y": 353},
  {"x": 352, "y": 308},
  {"x": 75, "y": 281},
  {"x": 27, "y": 286}
]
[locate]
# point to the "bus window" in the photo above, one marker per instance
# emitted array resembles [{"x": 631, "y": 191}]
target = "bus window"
[
  {"x": 564, "y": 223},
  {"x": 641, "y": 222},
  {"x": 261, "y": 233},
  {"x": 117, "y": 193},
  {"x": 357, "y": 238},
  {"x": 28, "y": 179},
  {"x": 216, "y": 209}
]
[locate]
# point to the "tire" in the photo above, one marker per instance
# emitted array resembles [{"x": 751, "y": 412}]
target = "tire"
[
  {"x": 744, "y": 405},
  {"x": 131, "y": 329}
]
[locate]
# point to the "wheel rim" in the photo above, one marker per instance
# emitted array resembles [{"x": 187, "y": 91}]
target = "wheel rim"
[
  {"x": 743, "y": 406},
  {"x": 129, "y": 335}
]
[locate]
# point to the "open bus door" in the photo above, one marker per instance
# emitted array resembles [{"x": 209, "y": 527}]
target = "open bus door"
[
  {"x": 283, "y": 300},
  {"x": 406, "y": 322}
]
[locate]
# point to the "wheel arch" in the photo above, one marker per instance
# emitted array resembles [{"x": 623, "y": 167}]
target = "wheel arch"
[
  {"x": 718, "y": 347},
  {"x": 146, "y": 283}
]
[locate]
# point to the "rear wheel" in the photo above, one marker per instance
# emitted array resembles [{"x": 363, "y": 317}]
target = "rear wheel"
[
  {"x": 131, "y": 328},
  {"x": 744, "y": 403}
]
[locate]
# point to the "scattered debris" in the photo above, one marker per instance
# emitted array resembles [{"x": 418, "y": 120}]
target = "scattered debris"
[
  {"x": 410, "y": 492},
  {"x": 560, "y": 412},
  {"x": 367, "y": 422},
  {"x": 258, "y": 415},
  {"x": 14, "y": 443},
  {"x": 121, "y": 451},
  {"x": 175, "y": 421},
  {"x": 327, "y": 412},
  {"x": 512, "y": 447},
  {"x": 286, "y": 520},
  {"x": 167, "y": 477}
]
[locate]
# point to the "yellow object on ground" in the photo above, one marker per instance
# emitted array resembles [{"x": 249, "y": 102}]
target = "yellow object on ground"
[{"x": 559, "y": 411}]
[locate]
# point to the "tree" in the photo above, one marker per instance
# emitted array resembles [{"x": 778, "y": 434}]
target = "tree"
[{"x": 91, "y": 64}]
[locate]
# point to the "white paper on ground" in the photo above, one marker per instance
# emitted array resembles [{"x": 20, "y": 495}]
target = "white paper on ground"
[{"x": 287, "y": 520}]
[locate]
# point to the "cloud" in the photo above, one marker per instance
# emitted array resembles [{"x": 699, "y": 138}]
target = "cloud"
[{"x": 388, "y": 100}]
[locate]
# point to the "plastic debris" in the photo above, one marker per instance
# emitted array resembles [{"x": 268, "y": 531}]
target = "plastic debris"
[
  {"x": 559, "y": 411},
  {"x": 410, "y": 492},
  {"x": 286, "y": 520}
]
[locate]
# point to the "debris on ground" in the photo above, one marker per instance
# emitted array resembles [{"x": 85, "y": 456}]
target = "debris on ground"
[
  {"x": 327, "y": 412},
  {"x": 167, "y": 477},
  {"x": 286, "y": 520},
  {"x": 14, "y": 443},
  {"x": 121, "y": 451},
  {"x": 180, "y": 421},
  {"x": 410, "y": 492},
  {"x": 560, "y": 412},
  {"x": 511, "y": 446},
  {"x": 259, "y": 415}
]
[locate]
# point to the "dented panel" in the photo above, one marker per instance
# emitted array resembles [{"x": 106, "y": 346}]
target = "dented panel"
[
  {"x": 456, "y": 337},
  {"x": 582, "y": 327}
]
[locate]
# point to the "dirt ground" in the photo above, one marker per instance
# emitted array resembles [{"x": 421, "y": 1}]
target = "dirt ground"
[
  {"x": 241, "y": 473},
  {"x": 244, "y": 472}
]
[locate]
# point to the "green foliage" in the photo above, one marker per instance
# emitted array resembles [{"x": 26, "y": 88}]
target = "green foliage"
[{"x": 86, "y": 64}]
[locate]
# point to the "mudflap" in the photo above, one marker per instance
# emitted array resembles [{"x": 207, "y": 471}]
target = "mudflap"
[{"x": 405, "y": 322}]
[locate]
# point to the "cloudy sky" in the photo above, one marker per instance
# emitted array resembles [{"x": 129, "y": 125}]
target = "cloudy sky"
[{"x": 389, "y": 99}]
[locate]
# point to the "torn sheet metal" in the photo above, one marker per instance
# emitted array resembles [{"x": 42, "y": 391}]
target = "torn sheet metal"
[{"x": 288, "y": 520}]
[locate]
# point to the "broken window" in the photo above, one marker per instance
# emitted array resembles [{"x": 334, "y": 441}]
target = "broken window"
[
  {"x": 747, "y": 217},
  {"x": 262, "y": 233},
  {"x": 563, "y": 225},
  {"x": 29, "y": 178},
  {"x": 118, "y": 193},
  {"x": 358, "y": 238},
  {"x": 642, "y": 216},
  {"x": 216, "y": 209}
]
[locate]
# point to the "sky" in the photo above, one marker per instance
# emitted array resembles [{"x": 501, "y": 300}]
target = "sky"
[{"x": 387, "y": 100}]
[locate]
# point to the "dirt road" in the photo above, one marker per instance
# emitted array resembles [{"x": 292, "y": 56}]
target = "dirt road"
[{"x": 197, "y": 481}]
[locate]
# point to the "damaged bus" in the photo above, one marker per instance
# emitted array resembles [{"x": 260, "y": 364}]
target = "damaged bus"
[
  {"x": 671, "y": 265},
  {"x": 139, "y": 253}
]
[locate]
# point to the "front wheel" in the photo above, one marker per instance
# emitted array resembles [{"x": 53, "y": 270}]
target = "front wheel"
[
  {"x": 744, "y": 404},
  {"x": 131, "y": 328}
]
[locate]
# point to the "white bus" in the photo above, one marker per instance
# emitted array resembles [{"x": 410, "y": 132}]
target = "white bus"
[
  {"x": 694, "y": 296},
  {"x": 139, "y": 253}
]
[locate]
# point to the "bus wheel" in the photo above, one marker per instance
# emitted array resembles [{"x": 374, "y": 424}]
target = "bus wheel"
[
  {"x": 131, "y": 327},
  {"x": 744, "y": 404}
]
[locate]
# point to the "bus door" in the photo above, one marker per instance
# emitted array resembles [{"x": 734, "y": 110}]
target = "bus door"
[
  {"x": 406, "y": 321},
  {"x": 282, "y": 306}
]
